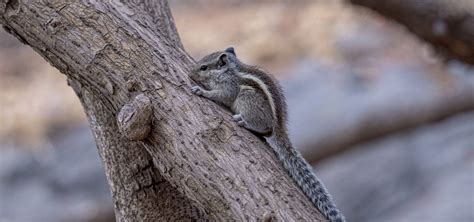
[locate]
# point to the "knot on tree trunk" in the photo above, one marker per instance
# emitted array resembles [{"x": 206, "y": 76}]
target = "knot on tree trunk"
[{"x": 134, "y": 118}]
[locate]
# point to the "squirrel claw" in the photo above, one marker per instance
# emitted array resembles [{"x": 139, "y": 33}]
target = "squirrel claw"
[
  {"x": 241, "y": 123},
  {"x": 238, "y": 118},
  {"x": 197, "y": 90}
]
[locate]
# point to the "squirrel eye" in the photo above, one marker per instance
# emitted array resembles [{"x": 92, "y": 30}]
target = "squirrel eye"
[{"x": 203, "y": 68}]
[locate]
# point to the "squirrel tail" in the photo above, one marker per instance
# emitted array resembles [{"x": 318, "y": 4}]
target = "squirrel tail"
[{"x": 301, "y": 172}]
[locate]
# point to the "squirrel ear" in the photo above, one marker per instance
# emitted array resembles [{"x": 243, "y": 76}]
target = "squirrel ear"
[
  {"x": 223, "y": 60},
  {"x": 230, "y": 50}
]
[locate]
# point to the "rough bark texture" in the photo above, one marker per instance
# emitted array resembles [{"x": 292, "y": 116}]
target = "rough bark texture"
[
  {"x": 139, "y": 191},
  {"x": 447, "y": 25},
  {"x": 112, "y": 51}
]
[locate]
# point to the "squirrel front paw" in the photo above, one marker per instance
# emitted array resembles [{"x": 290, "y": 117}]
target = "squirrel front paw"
[{"x": 197, "y": 90}]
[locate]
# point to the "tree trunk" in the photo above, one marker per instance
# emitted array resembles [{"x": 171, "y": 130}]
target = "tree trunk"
[
  {"x": 447, "y": 25},
  {"x": 195, "y": 163}
]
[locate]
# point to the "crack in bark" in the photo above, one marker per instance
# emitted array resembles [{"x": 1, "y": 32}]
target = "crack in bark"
[{"x": 11, "y": 6}]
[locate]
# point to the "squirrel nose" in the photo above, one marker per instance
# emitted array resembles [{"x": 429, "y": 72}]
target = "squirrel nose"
[
  {"x": 192, "y": 72},
  {"x": 192, "y": 69}
]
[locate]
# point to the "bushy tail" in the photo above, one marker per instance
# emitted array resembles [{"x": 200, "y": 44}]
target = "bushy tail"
[{"x": 301, "y": 172}]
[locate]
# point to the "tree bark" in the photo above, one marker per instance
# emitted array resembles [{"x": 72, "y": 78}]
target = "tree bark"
[
  {"x": 447, "y": 25},
  {"x": 139, "y": 192},
  {"x": 195, "y": 163}
]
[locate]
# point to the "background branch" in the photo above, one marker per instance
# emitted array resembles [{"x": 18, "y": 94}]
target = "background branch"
[{"x": 447, "y": 25}]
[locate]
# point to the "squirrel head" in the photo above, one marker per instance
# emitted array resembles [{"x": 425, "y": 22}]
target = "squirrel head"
[{"x": 215, "y": 65}]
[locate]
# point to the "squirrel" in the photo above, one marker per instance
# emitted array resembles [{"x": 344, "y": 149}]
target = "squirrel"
[{"x": 258, "y": 104}]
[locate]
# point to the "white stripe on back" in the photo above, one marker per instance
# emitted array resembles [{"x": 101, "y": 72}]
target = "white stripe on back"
[{"x": 264, "y": 88}]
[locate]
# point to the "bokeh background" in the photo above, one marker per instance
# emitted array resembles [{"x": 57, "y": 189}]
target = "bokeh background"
[{"x": 369, "y": 105}]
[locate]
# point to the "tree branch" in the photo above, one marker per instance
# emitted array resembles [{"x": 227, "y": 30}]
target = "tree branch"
[
  {"x": 391, "y": 119},
  {"x": 447, "y": 25},
  {"x": 109, "y": 56}
]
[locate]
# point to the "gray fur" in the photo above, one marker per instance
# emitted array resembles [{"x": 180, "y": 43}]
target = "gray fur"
[{"x": 258, "y": 104}]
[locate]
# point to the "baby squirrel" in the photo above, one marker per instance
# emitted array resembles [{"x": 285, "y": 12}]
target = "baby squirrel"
[{"x": 258, "y": 104}]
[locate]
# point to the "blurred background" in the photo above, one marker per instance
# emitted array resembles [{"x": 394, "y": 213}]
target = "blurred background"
[{"x": 387, "y": 124}]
